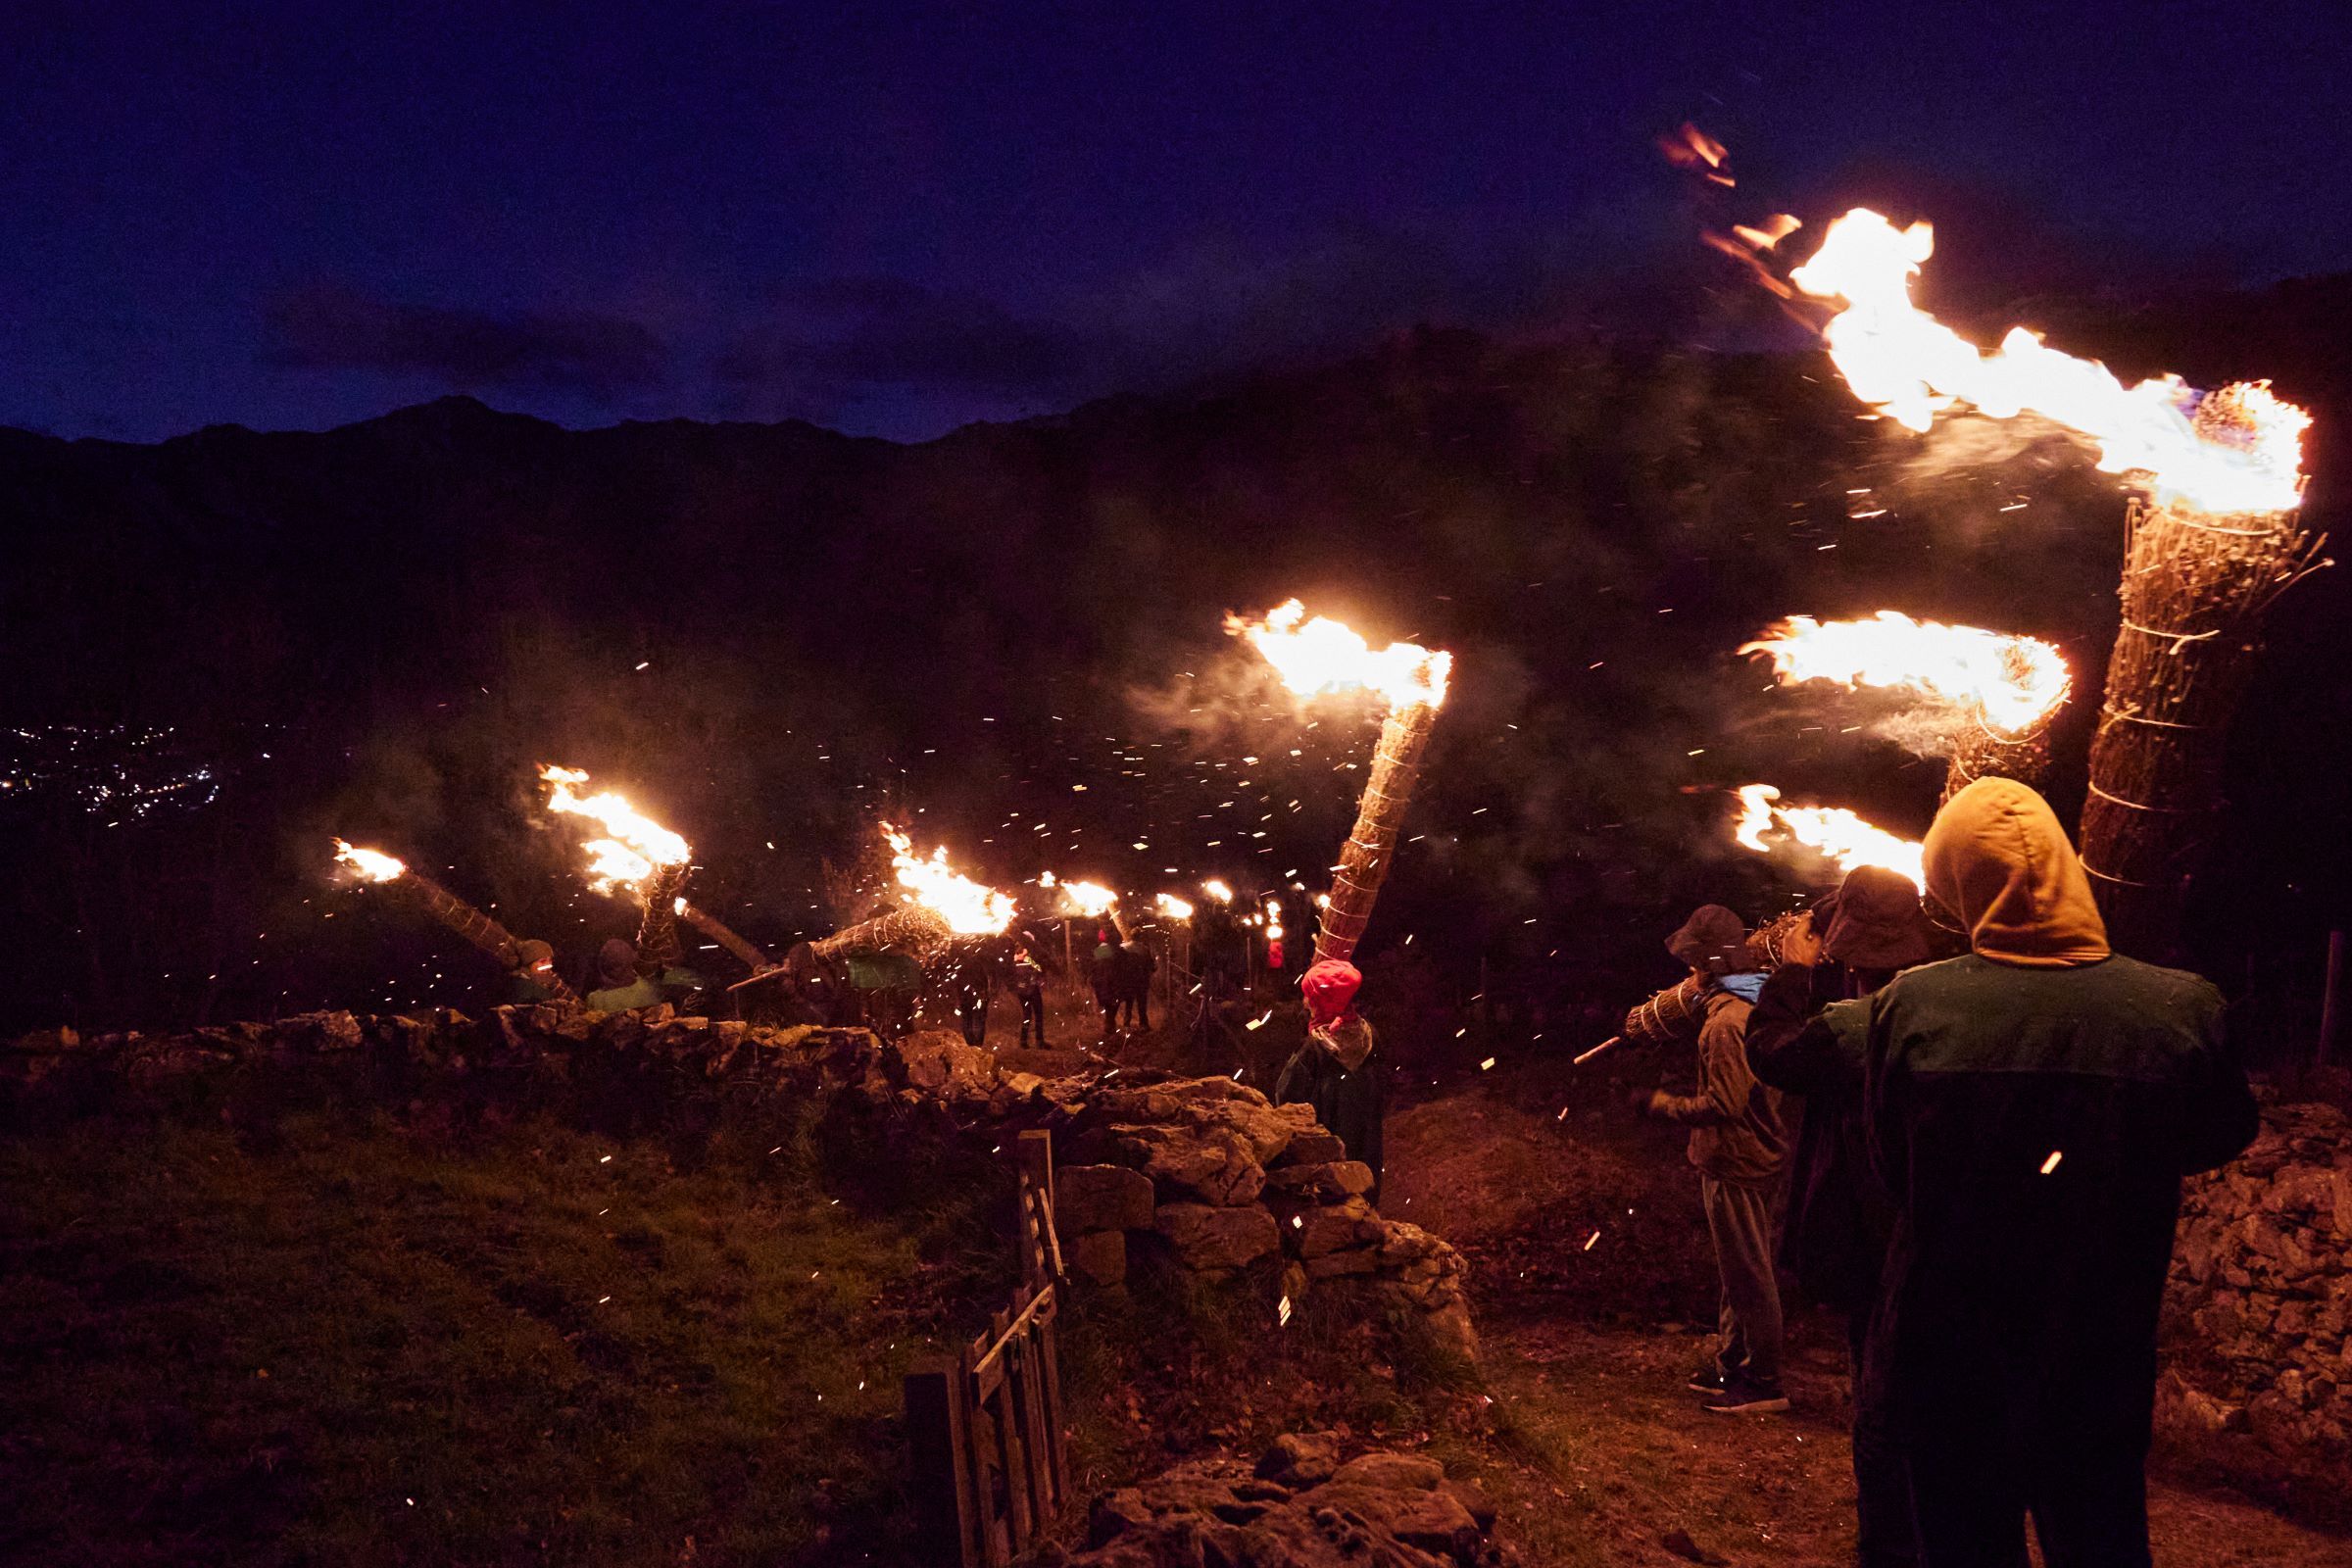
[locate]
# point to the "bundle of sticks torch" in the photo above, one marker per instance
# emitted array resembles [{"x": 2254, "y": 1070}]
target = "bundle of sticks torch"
[
  {"x": 628, "y": 855},
  {"x": 2214, "y": 535}
]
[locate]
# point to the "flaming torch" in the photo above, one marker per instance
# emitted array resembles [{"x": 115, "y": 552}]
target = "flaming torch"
[
  {"x": 1089, "y": 900},
  {"x": 945, "y": 904},
  {"x": 381, "y": 869},
  {"x": 1987, "y": 698},
  {"x": 638, "y": 853},
  {"x": 1832, "y": 833},
  {"x": 1322, "y": 655},
  {"x": 2215, "y": 537}
]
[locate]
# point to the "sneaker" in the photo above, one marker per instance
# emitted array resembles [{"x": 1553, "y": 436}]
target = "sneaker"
[
  {"x": 1746, "y": 1396},
  {"x": 1708, "y": 1379}
]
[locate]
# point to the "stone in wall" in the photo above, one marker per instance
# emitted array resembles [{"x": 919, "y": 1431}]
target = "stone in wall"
[
  {"x": 1100, "y": 1198},
  {"x": 1215, "y": 1241},
  {"x": 1097, "y": 1258},
  {"x": 2259, "y": 1304},
  {"x": 1298, "y": 1507}
]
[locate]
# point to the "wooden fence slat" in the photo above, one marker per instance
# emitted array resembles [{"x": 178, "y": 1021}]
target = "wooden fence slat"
[
  {"x": 1044, "y": 1449},
  {"x": 988, "y": 1466},
  {"x": 1015, "y": 1452},
  {"x": 1050, "y": 1358}
]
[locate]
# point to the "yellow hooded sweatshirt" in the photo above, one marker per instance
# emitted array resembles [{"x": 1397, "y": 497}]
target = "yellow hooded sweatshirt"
[{"x": 1997, "y": 857}]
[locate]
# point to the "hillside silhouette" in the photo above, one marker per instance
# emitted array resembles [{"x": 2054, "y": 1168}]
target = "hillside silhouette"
[{"x": 226, "y": 648}]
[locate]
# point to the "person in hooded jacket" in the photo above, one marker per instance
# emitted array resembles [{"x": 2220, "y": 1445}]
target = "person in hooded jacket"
[
  {"x": 1133, "y": 966},
  {"x": 2031, "y": 1109},
  {"x": 1739, "y": 1142},
  {"x": 530, "y": 982},
  {"x": 1103, "y": 974},
  {"x": 1029, "y": 986},
  {"x": 1338, "y": 1070},
  {"x": 1808, "y": 1036},
  {"x": 620, "y": 987}
]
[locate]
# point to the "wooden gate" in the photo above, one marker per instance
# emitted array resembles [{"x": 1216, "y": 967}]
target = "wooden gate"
[{"x": 984, "y": 1425}]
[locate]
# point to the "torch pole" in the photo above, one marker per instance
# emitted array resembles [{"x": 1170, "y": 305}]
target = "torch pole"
[
  {"x": 2195, "y": 588},
  {"x": 1379, "y": 822},
  {"x": 658, "y": 930},
  {"x": 913, "y": 929},
  {"x": 718, "y": 931},
  {"x": 478, "y": 928}
]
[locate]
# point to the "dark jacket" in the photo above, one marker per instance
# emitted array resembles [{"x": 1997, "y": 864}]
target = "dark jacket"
[
  {"x": 1133, "y": 966},
  {"x": 2031, "y": 1110},
  {"x": 1350, "y": 1101},
  {"x": 1834, "y": 1235},
  {"x": 1028, "y": 978},
  {"x": 1736, "y": 1129},
  {"x": 2007, "y": 1286}
]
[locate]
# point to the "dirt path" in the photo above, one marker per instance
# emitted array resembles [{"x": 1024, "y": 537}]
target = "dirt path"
[{"x": 1594, "y": 1286}]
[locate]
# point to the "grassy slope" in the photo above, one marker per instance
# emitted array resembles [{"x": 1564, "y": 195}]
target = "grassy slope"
[{"x": 363, "y": 1346}]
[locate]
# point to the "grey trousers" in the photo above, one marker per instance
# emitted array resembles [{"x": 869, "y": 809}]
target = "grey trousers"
[{"x": 1740, "y": 1221}]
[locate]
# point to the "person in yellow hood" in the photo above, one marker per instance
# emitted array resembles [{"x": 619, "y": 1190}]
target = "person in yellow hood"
[{"x": 2031, "y": 1109}]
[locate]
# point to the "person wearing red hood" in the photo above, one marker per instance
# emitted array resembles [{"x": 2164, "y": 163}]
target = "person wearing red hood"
[
  {"x": 2029, "y": 1109},
  {"x": 1337, "y": 1070}
]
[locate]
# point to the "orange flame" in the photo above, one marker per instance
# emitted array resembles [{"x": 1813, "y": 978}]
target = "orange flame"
[
  {"x": 1910, "y": 365},
  {"x": 967, "y": 908},
  {"x": 1322, "y": 655},
  {"x": 2014, "y": 682},
  {"x": 637, "y": 846},
  {"x": 1834, "y": 833},
  {"x": 372, "y": 865},
  {"x": 1090, "y": 899},
  {"x": 1216, "y": 889},
  {"x": 1690, "y": 147},
  {"x": 1174, "y": 907}
]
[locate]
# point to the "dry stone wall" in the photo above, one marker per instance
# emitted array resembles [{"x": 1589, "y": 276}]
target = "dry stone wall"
[
  {"x": 1302, "y": 1505},
  {"x": 2260, "y": 1301},
  {"x": 1212, "y": 1176},
  {"x": 1203, "y": 1174}
]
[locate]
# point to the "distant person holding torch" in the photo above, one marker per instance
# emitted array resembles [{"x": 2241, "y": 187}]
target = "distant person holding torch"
[
  {"x": 1338, "y": 1070},
  {"x": 1739, "y": 1142}
]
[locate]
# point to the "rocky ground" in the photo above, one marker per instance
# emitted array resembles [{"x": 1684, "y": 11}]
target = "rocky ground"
[
  {"x": 1235, "y": 1290},
  {"x": 1592, "y": 1282}
]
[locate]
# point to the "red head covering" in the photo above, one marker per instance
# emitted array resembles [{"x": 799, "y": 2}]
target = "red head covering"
[{"x": 1330, "y": 988}]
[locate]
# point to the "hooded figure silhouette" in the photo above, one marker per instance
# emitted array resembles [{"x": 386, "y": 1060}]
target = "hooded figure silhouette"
[{"x": 2030, "y": 1109}]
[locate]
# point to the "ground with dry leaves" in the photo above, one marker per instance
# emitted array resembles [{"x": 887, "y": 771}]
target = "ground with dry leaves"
[{"x": 1594, "y": 1286}]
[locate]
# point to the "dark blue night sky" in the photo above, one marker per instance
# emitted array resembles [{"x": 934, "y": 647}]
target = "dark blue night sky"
[{"x": 898, "y": 218}]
